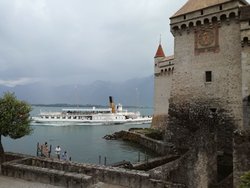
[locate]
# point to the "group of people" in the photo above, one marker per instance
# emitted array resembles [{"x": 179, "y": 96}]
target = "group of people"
[{"x": 45, "y": 152}]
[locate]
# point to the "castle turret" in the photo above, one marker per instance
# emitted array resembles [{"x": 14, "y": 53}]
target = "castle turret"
[
  {"x": 163, "y": 71},
  {"x": 159, "y": 53}
]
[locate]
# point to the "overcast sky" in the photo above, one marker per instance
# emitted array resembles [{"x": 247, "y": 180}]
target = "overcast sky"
[{"x": 80, "y": 41}]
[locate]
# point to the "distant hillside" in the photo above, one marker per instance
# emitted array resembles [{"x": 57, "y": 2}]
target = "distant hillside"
[{"x": 133, "y": 92}]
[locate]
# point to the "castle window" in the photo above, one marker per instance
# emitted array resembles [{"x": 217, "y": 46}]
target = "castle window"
[
  {"x": 202, "y": 12},
  {"x": 213, "y": 110},
  {"x": 198, "y": 23},
  {"x": 208, "y": 75},
  {"x": 206, "y": 21},
  {"x": 214, "y": 19},
  {"x": 249, "y": 22},
  {"x": 184, "y": 17},
  {"x": 220, "y": 7}
]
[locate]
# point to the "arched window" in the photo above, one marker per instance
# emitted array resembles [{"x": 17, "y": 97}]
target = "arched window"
[
  {"x": 183, "y": 26},
  {"x": 191, "y": 24},
  {"x": 198, "y": 23},
  {"x": 175, "y": 28},
  {"x": 232, "y": 15},
  {"x": 206, "y": 21},
  {"x": 223, "y": 17},
  {"x": 214, "y": 19}
]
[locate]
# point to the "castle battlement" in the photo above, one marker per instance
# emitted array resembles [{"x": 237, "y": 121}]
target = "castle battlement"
[
  {"x": 215, "y": 13},
  {"x": 165, "y": 66}
]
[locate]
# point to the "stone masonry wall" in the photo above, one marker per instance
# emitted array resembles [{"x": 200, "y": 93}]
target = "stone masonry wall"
[
  {"x": 245, "y": 55},
  {"x": 241, "y": 155},
  {"x": 79, "y": 175},
  {"x": 189, "y": 77},
  {"x": 159, "y": 147},
  {"x": 162, "y": 88}
]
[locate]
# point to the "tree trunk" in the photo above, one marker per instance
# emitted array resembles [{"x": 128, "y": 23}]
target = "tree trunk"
[{"x": 2, "y": 156}]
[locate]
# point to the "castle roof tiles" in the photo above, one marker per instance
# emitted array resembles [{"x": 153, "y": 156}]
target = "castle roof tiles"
[
  {"x": 159, "y": 52},
  {"x": 193, "y": 5}
]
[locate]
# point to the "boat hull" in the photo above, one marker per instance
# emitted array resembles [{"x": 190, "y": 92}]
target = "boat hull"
[{"x": 61, "y": 122}]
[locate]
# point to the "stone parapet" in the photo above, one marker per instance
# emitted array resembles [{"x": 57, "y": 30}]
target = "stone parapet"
[
  {"x": 76, "y": 175},
  {"x": 159, "y": 147}
]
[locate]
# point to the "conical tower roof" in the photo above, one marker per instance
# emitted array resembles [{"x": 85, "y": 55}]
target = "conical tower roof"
[
  {"x": 193, "y": 5},
  {"x": 159, "y": 52}
]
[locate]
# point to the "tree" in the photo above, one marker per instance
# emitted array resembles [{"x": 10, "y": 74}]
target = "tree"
[{"x": 14, "y": 119}]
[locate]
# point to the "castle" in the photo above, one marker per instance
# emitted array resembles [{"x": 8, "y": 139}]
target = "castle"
[
  {"x": 211, "y": 59},
  {"x": 211, "y": 63}
]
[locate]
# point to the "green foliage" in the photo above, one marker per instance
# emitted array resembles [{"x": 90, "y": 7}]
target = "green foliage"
[
  {"x": 14, "y": 117},
  {"x": 245, "y": 180}
]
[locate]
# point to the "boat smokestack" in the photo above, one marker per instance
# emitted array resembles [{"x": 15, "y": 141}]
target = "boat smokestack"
[{"x": 111, "y": 103}]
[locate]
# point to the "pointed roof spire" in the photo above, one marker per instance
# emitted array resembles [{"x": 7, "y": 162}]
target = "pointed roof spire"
[{"x": 160, "y": 52}]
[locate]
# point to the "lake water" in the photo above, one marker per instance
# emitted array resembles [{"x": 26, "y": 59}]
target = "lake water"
[{"x": 82, "y": 143}]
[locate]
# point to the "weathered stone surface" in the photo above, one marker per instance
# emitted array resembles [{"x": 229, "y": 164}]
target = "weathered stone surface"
[
  {"x": 241, "y": 155},
  {"x": 76, "y": 175}
]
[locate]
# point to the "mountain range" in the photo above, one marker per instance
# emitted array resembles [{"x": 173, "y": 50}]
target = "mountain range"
[{"x": 133, "y": 92}]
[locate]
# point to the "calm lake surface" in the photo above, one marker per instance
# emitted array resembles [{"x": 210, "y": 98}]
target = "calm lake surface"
[{"x": 82, "y": 143}]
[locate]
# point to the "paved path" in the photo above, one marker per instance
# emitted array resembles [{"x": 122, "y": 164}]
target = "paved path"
[{"x": 9, "y": 182}]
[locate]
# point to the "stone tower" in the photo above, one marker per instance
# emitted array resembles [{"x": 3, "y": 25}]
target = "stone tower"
[
  {"x": 163, "y": 72},
  {"x": 211, "y": 63},
  {"x": 211, "y": 55}
]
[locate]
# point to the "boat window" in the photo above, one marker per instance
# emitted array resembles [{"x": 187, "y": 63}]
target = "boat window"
[{"x": 63, "y": 117}]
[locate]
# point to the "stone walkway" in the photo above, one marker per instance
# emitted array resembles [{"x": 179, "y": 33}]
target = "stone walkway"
[{"x": 9, "y": 182}]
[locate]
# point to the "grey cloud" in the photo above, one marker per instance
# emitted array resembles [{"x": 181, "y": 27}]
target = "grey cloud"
[{"x": 82, "y": 41}]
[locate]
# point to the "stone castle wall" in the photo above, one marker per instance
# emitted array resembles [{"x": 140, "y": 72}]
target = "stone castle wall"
[
  {"x": 241, "y": 155},
  {"x": 162, "y": 87},
  {"x": 220, "y": 57},
  {"x": 245, "y": 56}
]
